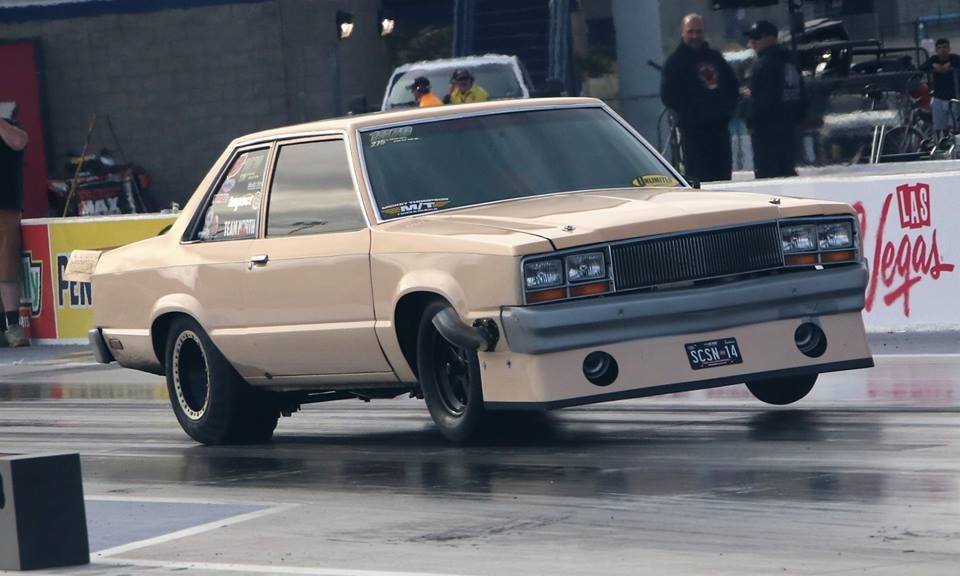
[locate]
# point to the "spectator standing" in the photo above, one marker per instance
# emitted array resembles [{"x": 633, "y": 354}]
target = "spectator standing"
[
  {"x": 422, "y": 94},
  {"x": 12, "y": 142},
  {"x": 946, "y": 71},
  {"x": 463, "y": 88},
  {"x": 775, "y": 103},
  {"x": 701, "y": 89}
]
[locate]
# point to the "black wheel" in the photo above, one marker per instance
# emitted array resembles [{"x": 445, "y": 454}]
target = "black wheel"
[
  {"x": 450, "y": 379},
  {"x": 782, "y": 391},
  {"x": 211, "y": 401}
]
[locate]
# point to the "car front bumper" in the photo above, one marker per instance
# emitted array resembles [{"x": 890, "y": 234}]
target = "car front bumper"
[
  {"x": 542, "y": 364},
  {"x": 601, "y": 321}
]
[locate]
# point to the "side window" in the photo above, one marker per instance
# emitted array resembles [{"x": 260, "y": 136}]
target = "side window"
[
  {"x": 234, "y": 210},
  {"x": 312, "y": 192}
]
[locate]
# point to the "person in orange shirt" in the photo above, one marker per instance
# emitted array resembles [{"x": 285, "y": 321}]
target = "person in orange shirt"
[{"x": 421, "y": 92}]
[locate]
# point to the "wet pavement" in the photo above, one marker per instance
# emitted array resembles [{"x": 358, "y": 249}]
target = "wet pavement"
[{"x": 862, "y": 476}]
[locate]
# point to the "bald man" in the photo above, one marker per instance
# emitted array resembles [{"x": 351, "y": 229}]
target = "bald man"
[{"x": 702, "y": 90}]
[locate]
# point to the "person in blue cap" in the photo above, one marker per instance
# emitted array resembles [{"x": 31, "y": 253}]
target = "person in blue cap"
[{"x": 775, "y": 103}]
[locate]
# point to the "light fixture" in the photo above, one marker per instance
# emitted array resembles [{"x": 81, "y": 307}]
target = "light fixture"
[
  {"x": 386, "y": 22},
  {"x": 344, "y": 24}
]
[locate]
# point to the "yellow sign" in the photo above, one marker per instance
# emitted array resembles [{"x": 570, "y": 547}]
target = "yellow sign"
[{"x": 73, "y": 301}]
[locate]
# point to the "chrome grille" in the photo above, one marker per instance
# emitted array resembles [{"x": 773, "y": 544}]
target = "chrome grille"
[{"x": 697, "y": 256}]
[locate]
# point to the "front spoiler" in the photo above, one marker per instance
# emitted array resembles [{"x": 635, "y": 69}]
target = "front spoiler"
[
  {"x": 683, "y": 386},
  {"x": 621, "y": 318}
]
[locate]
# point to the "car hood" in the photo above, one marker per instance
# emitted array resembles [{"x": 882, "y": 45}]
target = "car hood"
[{"x": 573, "y": 219}]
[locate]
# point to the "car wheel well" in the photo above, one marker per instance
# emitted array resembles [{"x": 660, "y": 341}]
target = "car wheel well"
[
  {"x": 406, "y": 319},
  {"x": 159, "y": 330}
]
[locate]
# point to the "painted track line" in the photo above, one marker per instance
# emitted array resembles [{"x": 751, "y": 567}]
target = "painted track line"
[
  {"x": 104, "y": 554},
  {"x": 260, "y": 568}
]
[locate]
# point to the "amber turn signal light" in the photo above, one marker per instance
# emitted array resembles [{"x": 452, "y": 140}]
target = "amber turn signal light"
[
  {"x": 546, "y": 295},
  {"x": 801, "y": 260},
  {"x": 839, "y": 256},
  {"x": 590, "y": 289}
]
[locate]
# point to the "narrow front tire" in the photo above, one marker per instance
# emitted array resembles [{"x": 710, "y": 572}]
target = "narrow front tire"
[
  {"x": 450, "y": 379},
  {"x": 782, "y": 391}
]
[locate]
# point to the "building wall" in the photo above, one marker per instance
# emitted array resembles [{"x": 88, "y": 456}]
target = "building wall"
[{"x": 178, "y": 84}]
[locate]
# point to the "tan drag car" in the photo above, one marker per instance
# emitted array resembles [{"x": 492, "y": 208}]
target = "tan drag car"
[{"x": 515, "y": 255}]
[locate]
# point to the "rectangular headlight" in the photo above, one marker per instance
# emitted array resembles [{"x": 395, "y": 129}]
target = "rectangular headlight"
[
  {"x": 799, "y": 238},
  {"x": 583, "y": 267},
  {"x": 835, "y": 235},
  {"x": 543, "y": 274}
]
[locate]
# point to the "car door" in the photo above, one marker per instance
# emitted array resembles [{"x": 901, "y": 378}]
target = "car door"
[
  {"x": 216, "y": 249},
  {"x": 308, "y": 288}
]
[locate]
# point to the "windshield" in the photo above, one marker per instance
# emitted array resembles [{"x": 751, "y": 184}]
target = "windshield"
[
  {"x": 498, "y": 79},
  {"x": 455, "y": 162}
]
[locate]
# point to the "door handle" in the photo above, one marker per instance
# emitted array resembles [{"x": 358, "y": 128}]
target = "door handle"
[{"x": 258, "y": 260}]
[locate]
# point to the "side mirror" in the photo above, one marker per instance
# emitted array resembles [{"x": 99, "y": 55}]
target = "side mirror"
[
  {"x": 551, "y": 88},
  {"x": 694, "y": 183}
]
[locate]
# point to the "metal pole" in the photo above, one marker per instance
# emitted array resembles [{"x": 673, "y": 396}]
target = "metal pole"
[
  {"x": 463, "y": 27},
  {"x": 559, "y": 53},
  {"x": 796, "y": 22}
]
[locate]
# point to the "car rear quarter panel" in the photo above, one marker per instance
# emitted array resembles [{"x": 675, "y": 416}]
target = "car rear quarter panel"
[{"x": 138, "y": 283}]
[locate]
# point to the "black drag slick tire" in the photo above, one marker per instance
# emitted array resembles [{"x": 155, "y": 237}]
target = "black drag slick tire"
[
  {"x": 450, "y": 379},
  {"x": 782, "y": 391},
  {"x": 213, "y": 404}
]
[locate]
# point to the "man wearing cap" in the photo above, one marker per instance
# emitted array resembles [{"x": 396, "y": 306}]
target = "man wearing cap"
[
  {"x": 463, "y": 90},
  {"x": 701, "y": 89},
  {"x": 775, "y": 103},
  {"x": 421, "y": 92}
]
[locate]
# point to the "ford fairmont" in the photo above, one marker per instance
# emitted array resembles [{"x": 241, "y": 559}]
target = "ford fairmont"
[{"x": 514, "y": 255}]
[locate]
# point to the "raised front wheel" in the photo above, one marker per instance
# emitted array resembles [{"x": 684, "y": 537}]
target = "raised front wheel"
[{"x": 782, "y": 391}]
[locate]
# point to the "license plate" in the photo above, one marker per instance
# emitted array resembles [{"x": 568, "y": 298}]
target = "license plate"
[{"x": 713, "y": 353}]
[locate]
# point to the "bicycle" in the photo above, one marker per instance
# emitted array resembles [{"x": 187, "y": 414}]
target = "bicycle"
[{"x": 671, "y": 149}]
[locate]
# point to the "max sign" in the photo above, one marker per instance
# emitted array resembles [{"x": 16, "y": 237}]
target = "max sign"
[{"x": 902, "y": 246}]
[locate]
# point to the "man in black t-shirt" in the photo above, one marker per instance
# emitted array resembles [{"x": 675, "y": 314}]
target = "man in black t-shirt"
[
  {"x": 12, "y": 142},
  {"x": 701, "y": 89},
  {"x": 945, "y": 68}
]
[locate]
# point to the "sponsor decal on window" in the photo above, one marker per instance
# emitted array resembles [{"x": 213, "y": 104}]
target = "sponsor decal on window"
[
  {"x": 238, "y": 228},
  {"x": 391, "y": 136},
  {"x": 654, "y": 180},
  {"x": 250, "y": 201},
  {"x": 414, "y": 207}
]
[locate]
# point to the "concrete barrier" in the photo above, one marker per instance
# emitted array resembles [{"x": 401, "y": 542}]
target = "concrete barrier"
[
  {"x": 62, "y": 310},
  {"x": 910, "y": 222},
  {"x": 43, "y": 522}
]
